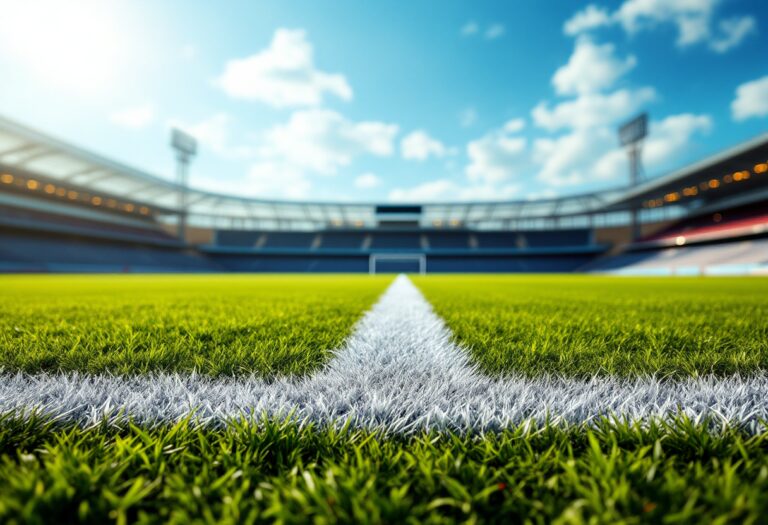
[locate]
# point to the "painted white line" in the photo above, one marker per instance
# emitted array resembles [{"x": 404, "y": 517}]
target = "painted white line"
[{"x": 398, "y": 372}]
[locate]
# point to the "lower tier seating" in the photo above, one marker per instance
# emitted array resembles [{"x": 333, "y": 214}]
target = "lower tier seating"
[{"x": 29, "y": 251}]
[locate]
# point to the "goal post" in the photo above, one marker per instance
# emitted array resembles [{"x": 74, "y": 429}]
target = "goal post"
[{"x": 417, "y": 259}]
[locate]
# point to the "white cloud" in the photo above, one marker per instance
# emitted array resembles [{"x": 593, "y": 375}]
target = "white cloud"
[
  {"x": 669, "y": 137},
  {"x": 278, "y": 180},
  {"x": 322, "y": 141},
  {"x": 589, "y": 155},
  {"x": 751, "y": 99},
  {"x": 448, "y": 190},
  {"x": 283, "y": 75},
  {"x": 586, "y": 151},
  {"x": 135, "y": 117},
  {"x": 427, "y": 191},
  {"x": 286, "y": 157},
  {"x": 470, "y": 28},
  {"x": 492, "y": 31},
  {"x": 589, "y": 18},
  {"x": 496, "y": 156},
  {"x": 566, "y": 160},
  {"x": 495, "y": 31},
  {"x": 514, "y": 125},
  {"x": 367, "y": 181},
  {"x": 489, "y": 192},
  {"x": 468, "y": 117},
  {"x": 591, "y": 68},
  {"x": 418, "y": 145},
  {"x": 733, "y": 31},
  {"x": 592, "y": 110},
  {"x": 215, "y": 134},
  {"x": 694, "y": 20},
  {"x": 692, "y": 17}
]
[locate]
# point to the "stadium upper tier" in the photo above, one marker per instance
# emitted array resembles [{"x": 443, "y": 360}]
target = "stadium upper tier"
[{"x": 34, "y": 162}]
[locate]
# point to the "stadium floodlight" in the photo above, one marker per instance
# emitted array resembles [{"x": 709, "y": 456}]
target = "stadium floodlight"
[
  {"x": 631, "y": 136},
  {"x": 634, "y": 131},
  {"x": 185, "y": 147}
]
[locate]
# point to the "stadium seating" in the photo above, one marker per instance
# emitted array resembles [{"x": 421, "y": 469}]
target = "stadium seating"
[
  {"x": 238, "y": 238},
  {"x": 534, "y": 239},
  {"x": 439, "y": 240},
  {"x": 735, "y": 257},
  {"x": 743, "y": 220},
  {"x": 31, "y": 251},
  {"x": 446, "y": 250},
  {"x": 296, "y": 240},
  {"x": 290, "y": 263},
  {"x": 342, "y": 240},
  {"x": 510, "y": 264},
  {"x": 55, "y": 222},
  {"x": 397, "y": 241}
]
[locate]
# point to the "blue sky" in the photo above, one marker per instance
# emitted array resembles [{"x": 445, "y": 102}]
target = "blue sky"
[{"x": 390, "y": 101}]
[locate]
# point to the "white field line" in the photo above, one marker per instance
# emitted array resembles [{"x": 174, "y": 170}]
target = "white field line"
[{"x": 398, "y": 372}]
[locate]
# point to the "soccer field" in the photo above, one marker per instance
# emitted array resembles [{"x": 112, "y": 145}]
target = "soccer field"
[
  {"x": 327, "y": 398},
  {"x": 582, "y": 325},
  {"x": 221, "y": 325}
]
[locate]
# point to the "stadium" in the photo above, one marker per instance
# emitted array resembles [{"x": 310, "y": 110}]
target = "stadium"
[
  {"x": 66, "y": 209},
  {"x": 280, "y": 331}
]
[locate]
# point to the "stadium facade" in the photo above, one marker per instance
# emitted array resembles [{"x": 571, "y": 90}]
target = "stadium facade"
[{"x": 65, "y": 209}]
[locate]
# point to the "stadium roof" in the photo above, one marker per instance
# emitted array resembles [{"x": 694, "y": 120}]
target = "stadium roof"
[
  {"x": 30, "y": 151},
  {"x": 733, "y": 160},
  {"x": 25, "y": 149}
]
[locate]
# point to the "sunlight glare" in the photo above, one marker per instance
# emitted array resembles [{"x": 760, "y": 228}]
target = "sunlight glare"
[{"x": 75, "y": 45}]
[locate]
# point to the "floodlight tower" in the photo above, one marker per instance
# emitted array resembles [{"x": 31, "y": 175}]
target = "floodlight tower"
[
  {"x": 631, "y": 136},
  {"x": 185, "y": 147}
]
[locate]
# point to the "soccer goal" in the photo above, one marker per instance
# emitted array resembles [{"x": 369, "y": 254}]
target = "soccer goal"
[{"x": 397, "y": 263}]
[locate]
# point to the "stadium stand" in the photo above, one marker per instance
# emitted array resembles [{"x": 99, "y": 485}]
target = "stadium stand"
[
  {"x": 299, "y": 263},
  {"x": 295, "y": 240},
  {"x": 726, "y": 223},
  {"x": 342, "y": 240},
  {"x": 239, "y": 239},
  {"x": 65, "y": 209},
  {"x": 40, "y": 252},
  {"x": 734, "y": 257},
  {"x": 50, "y": 222},
  {"x": 400, "y": 241},
  {"x": 449, "y": 240}
]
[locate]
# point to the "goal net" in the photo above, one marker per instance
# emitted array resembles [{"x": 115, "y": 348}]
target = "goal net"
[{"x": 397, "y": 263}]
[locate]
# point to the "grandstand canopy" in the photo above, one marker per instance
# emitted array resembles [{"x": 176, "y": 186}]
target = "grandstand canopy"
[
  {"x": 27, "y": 150},
  {"x": 718, "y": 170}
]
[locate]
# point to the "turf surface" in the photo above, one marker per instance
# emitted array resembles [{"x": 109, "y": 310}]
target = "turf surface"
[
  {"x": 272, "y": 471},
  {"x": 266, "y": 471},
  {"x": 582, "y": 326},
  {"x": 217, "y": 325}
]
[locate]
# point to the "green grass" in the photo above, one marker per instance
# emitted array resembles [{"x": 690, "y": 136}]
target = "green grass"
[
  {"x": 217, "y": 325},
  {"x": 581, "y": 325},
  {"x": 274, "y": 471}
]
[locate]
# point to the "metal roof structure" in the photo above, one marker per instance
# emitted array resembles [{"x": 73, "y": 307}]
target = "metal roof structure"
[
  {"x": 746, "y": 155},
  {"x": 22, "y": 148},
  {"x": 25, "y": 150}
]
